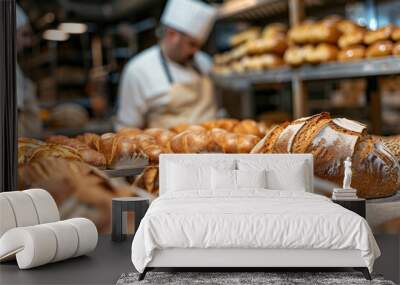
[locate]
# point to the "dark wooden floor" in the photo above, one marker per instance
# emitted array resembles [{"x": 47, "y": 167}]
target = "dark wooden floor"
[{"x": 110, "y": 260}]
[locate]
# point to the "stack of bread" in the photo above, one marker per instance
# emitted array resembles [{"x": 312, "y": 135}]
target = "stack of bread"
[
  {"x": 254, "y": 50},
  {"x": 339, "y": 39},
  {"x": 78, "y": 188}
]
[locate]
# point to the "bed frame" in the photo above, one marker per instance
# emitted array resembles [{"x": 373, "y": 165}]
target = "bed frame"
[{"x": 241, "y": 259}]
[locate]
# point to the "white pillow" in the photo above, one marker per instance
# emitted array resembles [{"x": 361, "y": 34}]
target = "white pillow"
[
  {"x": 224, "y": 179},
  {"x": 293, "y": 178},
  {"x": 281, "y": 174},
  {"x": 251, "y": 178},
  {"x": 181, "y": 177}
]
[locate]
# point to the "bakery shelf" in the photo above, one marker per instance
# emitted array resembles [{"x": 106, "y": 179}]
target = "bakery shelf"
[
  {"x": 125, "y": 172},
  {"x": 362, "y": 68}
]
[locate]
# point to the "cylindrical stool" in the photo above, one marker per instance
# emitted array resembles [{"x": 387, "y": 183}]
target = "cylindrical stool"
[{"x": 127, "y": 204}]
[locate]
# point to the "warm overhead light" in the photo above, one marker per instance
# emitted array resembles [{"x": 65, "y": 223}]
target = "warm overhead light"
[
  {"x": 55, "y": 35},
  {"x": 73, "y": 28}
]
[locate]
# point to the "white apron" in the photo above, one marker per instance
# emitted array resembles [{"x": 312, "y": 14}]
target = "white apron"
[{"x": 190, "y": 103}]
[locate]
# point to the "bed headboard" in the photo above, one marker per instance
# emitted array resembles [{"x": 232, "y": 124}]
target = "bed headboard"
[{"x": 213, "y": 158}]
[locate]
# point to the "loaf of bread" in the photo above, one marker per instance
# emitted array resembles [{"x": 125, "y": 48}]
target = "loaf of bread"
[
  {"x": 314, "y": 33},
  {"x": 226, "y": 124},
  {"x": 149, "y": 179},
  {"x": 276, "y": 44},
  {"x": 56, "y": 151},
  {"x": 91, "y": 140},
  {"x": 221, "y": 140},
  {"x": 347, "y": 27},
  {"x": 392, "y": 143},
  {"x": 396, "y": 34},
  {"x": 396, "y": 49},
  {"x": 376, "y": 171},
  {"x": 352, "y": 39},
  {"x": 322, "y": 53},
  {"x": 274, "y": 30},
  {"x": 296, "y": 55},
  {"x": 245, "y": 36},
  {"x": 249, "y": 127},
  {"x": 25, "y": 148},
  {"x": 379, "y": 49},
  {"x": 88, "y": 155},
  {"x": 382, "y": 34},
  {"x": 162, "y": 136},
  {"x": 190, "y": 141},
  {"x": 352, "y": 53}
]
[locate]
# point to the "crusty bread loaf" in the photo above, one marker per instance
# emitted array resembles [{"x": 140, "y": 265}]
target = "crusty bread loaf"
[
  {"x": 352, "y": 53},
  {"x": 392, "y": 143},
  {"x": 26, "y": 147},
  {"x": 226, "y": 124},
  {"x": 190, "y": 141},
  {"x": 88, "y": 155},
  {"x": 314, "y": 33},
  {"x": 379, "y": 49},
  {"x": 376, "y": 171},
  {"x": 352, "y": 39},
  {"x": 224, "y": 141},
  {"x": 346, "y": 26},
  {"x": 396, "y": 34},
  {"x": 91, "y": 140},
  {"x": 296, "y": 55},
  {"x": 276, "y": 44},
  {"x": 322, "y": 53},
  {"x": 396, "y": 49},
  {"x": 249, "y": 127},
  {"x": 382, "y": 34}
]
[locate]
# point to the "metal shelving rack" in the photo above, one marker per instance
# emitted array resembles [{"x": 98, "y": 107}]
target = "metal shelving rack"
[{"x": 298, "y": 77}]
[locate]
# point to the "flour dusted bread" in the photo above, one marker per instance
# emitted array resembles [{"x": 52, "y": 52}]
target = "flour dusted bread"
[{"x": 376, "y": 171}]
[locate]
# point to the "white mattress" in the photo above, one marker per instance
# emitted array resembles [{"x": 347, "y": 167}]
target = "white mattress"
[{"x": 253, "y": 219}]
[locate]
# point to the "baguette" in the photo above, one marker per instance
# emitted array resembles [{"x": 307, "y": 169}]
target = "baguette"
[
  {"x": 380, "y": 49},
  {"x": 351, "y": 53},
  {"x": 382, "y": 34}
]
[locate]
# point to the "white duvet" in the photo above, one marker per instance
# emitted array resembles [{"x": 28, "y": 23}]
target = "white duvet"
[{"x": 250, "y": 219}]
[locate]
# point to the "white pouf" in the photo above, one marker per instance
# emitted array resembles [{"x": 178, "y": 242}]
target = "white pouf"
[
  {"x": 46, "y": 207},
  {"x": 7, "y": 218},
  {"x": 23, "y": 208}
]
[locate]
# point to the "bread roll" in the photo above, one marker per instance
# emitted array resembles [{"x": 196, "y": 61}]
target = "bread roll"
[
  {"x": 273, "y": 30},
  {"x": 88, "y": 155},
  {"x": 314, "y": 33},
  {"x": 379, "y": 49},
  {"x": 249, "y": 127},
  {"x": 91, "y": 140},
  {"x": 300, "y": 34},
  {"x": 322, "y": 53},
  {"x": 351, "y": 39},
  {"x": 245, "y": 36},
  {"x": 224, "y": 141},
  {"x": 381, "y": 34},
  {"x": 396, "y": 34},
  {"x": 276, "y": 44},
  {"x": 348, "y": 27},
  {"x": 26, "y": 147},
  {"x": 376, "y": 172},
  {"x": 226, "y": 124},
  {"x": 190, "y": 141},
  {"x": 396, "y": 49},
  {"x": 352, "y": 53},
  {"x": 296, "y": 55}
]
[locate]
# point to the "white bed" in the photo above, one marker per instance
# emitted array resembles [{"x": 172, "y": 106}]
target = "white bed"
[{"x": 249, "y": 227}]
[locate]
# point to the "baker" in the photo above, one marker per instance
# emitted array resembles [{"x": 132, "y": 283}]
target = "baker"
[{"x": 167, "y": 84}]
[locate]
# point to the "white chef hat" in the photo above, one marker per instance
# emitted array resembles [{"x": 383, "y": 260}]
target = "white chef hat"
[
  {"x": 21, "y": 17},
  {"x": 191, "y": 17}
]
